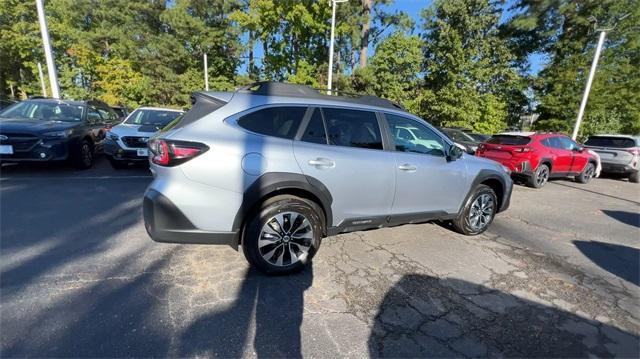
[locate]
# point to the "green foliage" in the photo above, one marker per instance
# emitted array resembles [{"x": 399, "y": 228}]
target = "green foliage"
[{"x": 469, "y": 72}]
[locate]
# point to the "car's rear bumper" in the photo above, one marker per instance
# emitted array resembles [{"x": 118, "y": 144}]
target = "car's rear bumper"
[
  {"x": 608, "y": 167},
  {"x": 164, "y": 222}
]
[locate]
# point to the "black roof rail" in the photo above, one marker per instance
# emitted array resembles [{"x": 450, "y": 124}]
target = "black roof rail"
[{"x": 272, "y": 88}]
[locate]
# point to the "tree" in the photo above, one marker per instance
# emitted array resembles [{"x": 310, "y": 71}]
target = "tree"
[
  {"x": 470, "y": 73},
  {"x": 563, "y": 31}
]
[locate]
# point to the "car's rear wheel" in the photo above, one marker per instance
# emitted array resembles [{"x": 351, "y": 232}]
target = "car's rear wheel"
[
  {"x": 478, "y": 212},
  {"x": 539, "y": 177},
  {"x": 284, "y": 235},
  {"x": 634, "y": 177},
  {"x": 83, "y": 158},
  {"x": 587, "y": 174}
]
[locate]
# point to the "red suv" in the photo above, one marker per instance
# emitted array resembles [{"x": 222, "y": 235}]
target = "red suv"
[{"x": 538, "y": 156}]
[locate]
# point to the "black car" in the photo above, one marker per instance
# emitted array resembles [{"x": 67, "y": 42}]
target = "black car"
[
  {"x": 5, "y": 103},
  {"x": 462, "y": 138},
  {"x": 121, "y": 111},
  {"x": 46, "y": 129}
]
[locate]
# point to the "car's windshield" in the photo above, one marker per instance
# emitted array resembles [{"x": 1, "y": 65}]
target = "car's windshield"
[
  {"x": 479, "y": 137},
  {"x": 44, "y": 110},
  {"x": 619, "y": 142},
  {"x": 151, "y": 117},
  {"x": 457, "y": 135}
]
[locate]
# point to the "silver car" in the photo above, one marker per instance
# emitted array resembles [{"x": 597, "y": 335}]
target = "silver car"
[
  {"x": 127, "y": 142},
  {"x": 274, "y": 168},
  {"x": 619, "y": 154}
]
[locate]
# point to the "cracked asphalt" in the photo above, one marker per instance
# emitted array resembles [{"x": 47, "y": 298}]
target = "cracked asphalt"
[{"x": 555, "y": 276}]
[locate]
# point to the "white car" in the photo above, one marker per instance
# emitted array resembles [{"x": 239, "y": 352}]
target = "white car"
[{"x": 127, "y": 142}]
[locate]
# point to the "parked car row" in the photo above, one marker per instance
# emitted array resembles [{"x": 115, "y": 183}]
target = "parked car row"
[{"x": 45, "y": 130}]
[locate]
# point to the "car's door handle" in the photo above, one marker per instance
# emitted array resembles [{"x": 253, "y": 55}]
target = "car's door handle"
[
  {"x": 322, "y": 162},
  {"x": 407, "y": 167}
]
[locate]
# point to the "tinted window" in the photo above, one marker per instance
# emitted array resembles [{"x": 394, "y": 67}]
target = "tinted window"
[
  {"x": 274, "y": 121},
  {"x": 567, "y": 144},
  {"x": 509, "y": 140},
  {"x": 152, "y": 117},
  {"x": 93, "y": 116},
  {"x": 457, "y": 135},
  {"x": 353, "y": 128},
  {"x": 315, "y": 132},
  {"x": 617, "y": 142},
  {"x": 411, "y": 136}
]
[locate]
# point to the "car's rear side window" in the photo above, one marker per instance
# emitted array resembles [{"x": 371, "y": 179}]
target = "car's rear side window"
[
  {"x": 274, "y": 121},
  {"x": 509, "y": 140},
  {"x": 616, "y": 142},
  {"x": 353, "y": 128}
]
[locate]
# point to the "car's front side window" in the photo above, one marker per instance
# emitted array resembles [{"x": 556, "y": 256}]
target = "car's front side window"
[
  {"x": 353, "y": 128},
  {"x": 426, "y": 140}
]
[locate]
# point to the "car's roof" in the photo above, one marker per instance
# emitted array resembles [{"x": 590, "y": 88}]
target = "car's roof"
[
  {"x": 518, "y": 133},
  {"x": 616, "y": 135},
  {"x": 55, "y": 100}
]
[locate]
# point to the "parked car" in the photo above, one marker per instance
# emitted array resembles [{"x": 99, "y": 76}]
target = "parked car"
[
  {"x": 45, "y": 129},
  {"x": 479, "y": 137},
  {"x": 127, "y": 142},
  {"x": 536, "y": 157},
  {"x": 462, "y": 138},
  {"x": 121, "y": 111},
  {"x": 277, "y": 167},
  {"x": 619, "y": 154},
  {"x": 5, "y": 103}
]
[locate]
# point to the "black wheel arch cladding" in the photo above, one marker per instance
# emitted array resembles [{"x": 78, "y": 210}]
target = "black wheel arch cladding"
[{"x": 274, "y": 183}]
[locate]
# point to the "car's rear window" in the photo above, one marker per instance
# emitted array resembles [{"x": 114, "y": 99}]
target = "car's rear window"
[
  {"x": 509, "y": 140},
  {"x": 619, "y": 142}
]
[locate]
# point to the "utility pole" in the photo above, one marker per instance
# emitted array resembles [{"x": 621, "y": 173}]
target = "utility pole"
[
  {"x": 333, "y": 29},
  {"x": 44, "y": 87},
  {"x": 48, "y": 53},
  {"x": 206, "y": 74},
  {"x": 592, "y": 72}
]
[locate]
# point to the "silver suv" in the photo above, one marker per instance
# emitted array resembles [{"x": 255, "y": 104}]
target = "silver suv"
[{"x": 276, "y": 167}]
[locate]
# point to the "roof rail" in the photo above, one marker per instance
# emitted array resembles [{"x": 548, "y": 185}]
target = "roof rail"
[{"x": 272, "y": 88}]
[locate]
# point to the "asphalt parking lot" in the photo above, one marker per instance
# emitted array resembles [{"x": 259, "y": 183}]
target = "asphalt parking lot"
[{"x": 555, "y": 276}]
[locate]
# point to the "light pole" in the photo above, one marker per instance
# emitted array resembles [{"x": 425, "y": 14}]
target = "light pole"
[
  {"x": 48, "y": 54},
  {"x": 206, "y": 73},
  {"x": 44, "y": 88},
  {"x": 333, "y": 29},
  {"x": 592, "y": 72}
]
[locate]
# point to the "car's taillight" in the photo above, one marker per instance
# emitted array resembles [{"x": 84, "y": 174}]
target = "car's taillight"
[
  {"x": 634, "y": 151},
  {"x": 171, "y": 153},
  {"x": 481, "y": 147}
]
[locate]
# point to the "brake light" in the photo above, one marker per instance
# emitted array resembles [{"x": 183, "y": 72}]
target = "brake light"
[
  {"x": 634, "y": 151},
  {"x": 171, "y": 153}
]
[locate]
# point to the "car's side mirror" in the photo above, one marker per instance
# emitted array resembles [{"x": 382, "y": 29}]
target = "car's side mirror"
[{"x": 455, "y": 153}]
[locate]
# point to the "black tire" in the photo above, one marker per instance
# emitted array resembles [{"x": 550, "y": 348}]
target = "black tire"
[
  {"x": 117, "y": 165},
  {"x": 466, "y": 222},
  {"x": 539, "y": 177},
  {"x": 587, "y": 174},
  {"x": 277, "y": 257},
  {"x": 83, "y": 156},
  {"x": 633, "y": 178}
]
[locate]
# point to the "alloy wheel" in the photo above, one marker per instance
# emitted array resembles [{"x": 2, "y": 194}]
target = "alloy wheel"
[
  {"x": 543, "y": 176},
  {"x": 285, "y": 239},
  {"x": 86, "y": 154},
  {"x": 481, "y": 212}
]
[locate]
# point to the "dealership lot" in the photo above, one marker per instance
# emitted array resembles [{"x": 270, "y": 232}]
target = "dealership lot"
[{"x": 555, "y": 275}]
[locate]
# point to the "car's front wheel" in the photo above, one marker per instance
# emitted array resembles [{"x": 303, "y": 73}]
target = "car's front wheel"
[
  {"x": 83, "y": 158},
  {"x": 284, "y": 235},
  {"x": 478, "y": 212},
  {"x": 587, "y": 174}
]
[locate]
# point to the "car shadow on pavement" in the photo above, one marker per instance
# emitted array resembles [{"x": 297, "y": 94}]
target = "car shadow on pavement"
[
  {"x": 275, "y": 303},
  {"x": 630, "y": 218},
  {"x": 619, "y": 260},
  {"x": 595, "y": 192},
  {"x": 423, "y": 316}
]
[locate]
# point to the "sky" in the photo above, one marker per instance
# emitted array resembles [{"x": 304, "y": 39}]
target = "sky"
[{"x": 413, "y": 8}]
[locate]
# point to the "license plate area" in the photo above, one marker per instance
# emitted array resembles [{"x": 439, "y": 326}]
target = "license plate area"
[{"x": 143, "y": 152}]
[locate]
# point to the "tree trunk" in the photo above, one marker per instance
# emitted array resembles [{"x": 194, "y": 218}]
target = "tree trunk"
[
  {"x": 252, "y": 63},
  {"x": 364, "y": 34}
]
